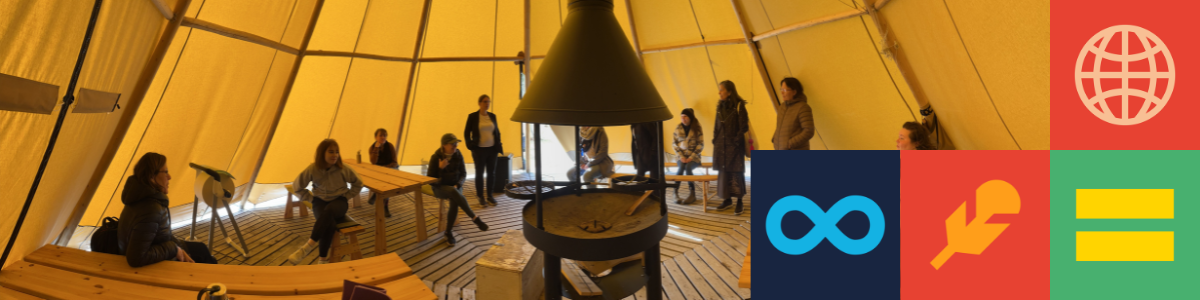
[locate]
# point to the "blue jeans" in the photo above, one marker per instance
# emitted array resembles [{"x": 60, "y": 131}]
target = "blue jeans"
[{"x": 686, "y": 168}]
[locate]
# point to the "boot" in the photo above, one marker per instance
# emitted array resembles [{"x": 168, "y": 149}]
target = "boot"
[
  {"x": 678, "y": 200},
  {"x": 482, "y": 200},
  {"x": 692, "y": 196},
  {"x": 479, "y": 222},
  {"x": 387, "y": 212},
  {"x": 738, "y": 210},
  {"x": 491, "y": 199},
  {"x": 450, "y": 239},
  {"x": 726, "y": 205},
  {"x": 372, "y": 200}
]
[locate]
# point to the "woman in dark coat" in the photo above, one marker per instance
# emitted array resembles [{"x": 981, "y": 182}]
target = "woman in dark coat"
[
  {"x": 483, "y": 139},
  {"x": 144, "y": 230},
  {"x": 729, "y": 146}
]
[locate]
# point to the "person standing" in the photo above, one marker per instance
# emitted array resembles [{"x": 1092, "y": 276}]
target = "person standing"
[
  {"x": 643, "y": 148},
  {"x": 689, "y": 142},
  {"x": 483, "y": 139},
  {"x": 729, "y": 146},
  {"x": 383, "y": 154},
  {"x": 794, "y": 125}
]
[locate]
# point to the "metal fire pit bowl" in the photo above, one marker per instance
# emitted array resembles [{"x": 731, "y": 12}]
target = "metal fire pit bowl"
[{"x": 564, "y": 211}]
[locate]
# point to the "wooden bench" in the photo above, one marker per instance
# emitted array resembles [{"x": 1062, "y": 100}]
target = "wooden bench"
[
  {"x": 287, "y": 207},
  {"x": 441, "y": 225},
  {"x": 703, "y": 179},
  {"x": 705, "y": 165},
  {"x": 67, "y": 273},
  {"x": 348, "y": 229}
]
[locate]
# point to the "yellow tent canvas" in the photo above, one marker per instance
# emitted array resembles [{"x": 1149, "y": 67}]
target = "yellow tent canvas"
[{"x": 252, "y": 86}]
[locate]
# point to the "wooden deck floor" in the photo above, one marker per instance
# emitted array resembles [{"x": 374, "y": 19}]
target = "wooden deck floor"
[{"x": 701, "y": 254}]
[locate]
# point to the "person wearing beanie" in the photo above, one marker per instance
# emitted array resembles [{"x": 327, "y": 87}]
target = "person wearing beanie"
[{"x": 450, "y": 170}]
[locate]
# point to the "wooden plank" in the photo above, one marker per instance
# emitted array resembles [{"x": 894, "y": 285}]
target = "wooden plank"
[
  {"x": 240, "y": 279},
  {"x": 47, "y": 282},
  {"x": 637, "y": 47},
  {"x": 744, "y": 281},
  {"x": 695, "y": 45},
  {"x": 357, "y": 55},
  {"x": 238, "y": 34},
  {"x": 629, "y": 212},
  {"x": 579, "y": 280},
  {"x": 717, "y": 276},
  {"x": 10, "y": 294},
  {"x": 686, "y": 288},
  {"x": 476, "y": 58},
  {"x": 758, "y": 61},
  {"x": 412, "y": 71},
  {"x": 697, "y": 280},
  {"x": 163, "y": 9}
]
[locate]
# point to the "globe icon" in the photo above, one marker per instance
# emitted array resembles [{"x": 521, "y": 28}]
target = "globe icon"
[{"x": 1125, "y": 75}]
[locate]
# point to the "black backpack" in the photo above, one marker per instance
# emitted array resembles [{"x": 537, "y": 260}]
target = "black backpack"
[{"x": 104, "y": 240}]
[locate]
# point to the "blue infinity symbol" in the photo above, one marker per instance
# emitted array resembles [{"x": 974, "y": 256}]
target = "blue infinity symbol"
[{"x": 825, "y": 225}]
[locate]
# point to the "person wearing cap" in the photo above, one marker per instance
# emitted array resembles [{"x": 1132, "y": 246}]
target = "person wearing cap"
[
  {"x": 450, "y": 170},
  {"x": 595, "y": 155},
  {"x": 689, "y": 142}
]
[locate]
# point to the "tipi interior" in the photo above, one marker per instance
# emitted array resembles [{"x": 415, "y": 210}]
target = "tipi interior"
[{"x": 251, "y": 87}]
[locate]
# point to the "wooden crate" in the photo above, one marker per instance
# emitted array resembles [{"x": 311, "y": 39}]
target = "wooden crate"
[{"x": 510, "y": 270}]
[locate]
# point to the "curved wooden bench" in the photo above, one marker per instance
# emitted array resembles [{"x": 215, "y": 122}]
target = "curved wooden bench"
[
  {"x": 704, "y": 164},
  {"x": 385, "y": 270},
  {"x": 41, "y": 281},
  {"x": 703, "y": 179}
]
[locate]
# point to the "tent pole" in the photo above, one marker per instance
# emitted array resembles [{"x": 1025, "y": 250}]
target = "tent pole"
[
  {"x": 528, "y": 66},
  {"x": 287, "y": 91},
  {"x": 758, "y": 61},
  {"x": 68, "y": 98},
  {"x": 412, "y": 69},
  {"x": 131, "y": 107},
  {"x": 633, "y": 30},
  {"x": 897, "y": 56}
]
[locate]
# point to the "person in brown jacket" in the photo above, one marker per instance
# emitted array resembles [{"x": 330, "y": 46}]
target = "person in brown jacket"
[
  {"x": 794, "y": 125},
  {"x": 729, "y": 146}
]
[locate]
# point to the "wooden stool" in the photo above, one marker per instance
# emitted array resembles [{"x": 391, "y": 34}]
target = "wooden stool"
[
  {"x": 428, "y": 190},
  {"x": 287, "y": 207},
  {"x": 350, "y": 230}
]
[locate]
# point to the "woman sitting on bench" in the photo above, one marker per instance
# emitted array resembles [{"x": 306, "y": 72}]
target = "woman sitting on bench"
[
  {"x": 448, "y": 166},
  {"x": 144, "y": 230},
  {"x": 329, "y": 194}
]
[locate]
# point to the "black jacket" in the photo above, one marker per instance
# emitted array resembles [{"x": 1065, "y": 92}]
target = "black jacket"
[
  {"x": 471, "y": 133},
  {"x": 144, "y": 232},
  {"x": 454, "y": 173}
]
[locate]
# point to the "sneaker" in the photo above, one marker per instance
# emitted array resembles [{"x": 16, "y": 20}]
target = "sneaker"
[
  {"x": 322, "y": 261},
  {"x": 738, "y": 210},
  {"x": 300, "y": 254},
  {"x": 479, "y": 222},
  {"x": 450, "y": 239},
  {"x": 725, "y": 205},
  {"x": 678, "y": 200},
  {"x": 491, "y": 199}
]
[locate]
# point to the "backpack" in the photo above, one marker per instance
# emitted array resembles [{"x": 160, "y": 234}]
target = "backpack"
[{"x": 104, "y": 240}]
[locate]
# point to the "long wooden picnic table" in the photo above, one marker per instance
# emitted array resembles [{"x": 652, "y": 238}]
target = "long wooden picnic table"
[{"x": 386, "y": 183}]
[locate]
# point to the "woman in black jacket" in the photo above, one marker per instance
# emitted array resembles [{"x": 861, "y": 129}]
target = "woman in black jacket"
[
  {"x": 483, "y": 139},
  {"x": 144, "y": 231},
  {"x": 448, "y": 167}
]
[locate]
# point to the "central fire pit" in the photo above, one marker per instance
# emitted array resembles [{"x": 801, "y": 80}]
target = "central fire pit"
[{"x": 591, "y": 77}]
